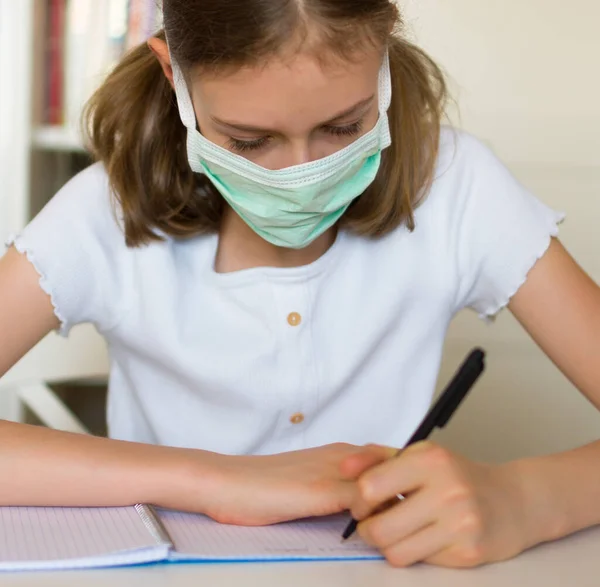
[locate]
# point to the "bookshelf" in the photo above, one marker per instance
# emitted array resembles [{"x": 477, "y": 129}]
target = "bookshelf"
[
  {"x": 41, "y": 147},
  {"x": 55, "y": 53}
]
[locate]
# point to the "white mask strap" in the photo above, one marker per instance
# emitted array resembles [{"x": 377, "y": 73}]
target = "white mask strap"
[{"x": 184, "y": 100}]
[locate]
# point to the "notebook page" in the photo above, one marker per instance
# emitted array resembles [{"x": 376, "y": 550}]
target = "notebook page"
[
  {"x": 197, "y": 537},
  {"x": 53, "y": 538}
]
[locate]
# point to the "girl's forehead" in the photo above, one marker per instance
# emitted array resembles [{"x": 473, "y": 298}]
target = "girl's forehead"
[{"x": 295, "y": 82}]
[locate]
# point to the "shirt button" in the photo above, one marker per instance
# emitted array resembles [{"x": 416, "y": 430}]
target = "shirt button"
[
  {"x": 297, "y": 418},
  {"x": 294, "y": 319}
]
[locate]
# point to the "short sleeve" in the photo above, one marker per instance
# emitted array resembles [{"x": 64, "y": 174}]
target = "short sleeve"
[
  {"x": 78, "y": 248},
  {"x": 501, "y": 229}
]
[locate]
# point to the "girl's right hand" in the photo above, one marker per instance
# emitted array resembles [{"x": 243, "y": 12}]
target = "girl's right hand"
[{"x": 264, "y": 490}]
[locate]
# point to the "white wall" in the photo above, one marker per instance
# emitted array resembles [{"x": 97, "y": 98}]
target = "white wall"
[
  {"x": 526, "y": 72},
  {"x": 525, "y": 77}
]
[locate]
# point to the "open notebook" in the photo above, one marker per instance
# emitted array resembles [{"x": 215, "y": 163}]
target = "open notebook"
[{"x": 69, "y": 538}]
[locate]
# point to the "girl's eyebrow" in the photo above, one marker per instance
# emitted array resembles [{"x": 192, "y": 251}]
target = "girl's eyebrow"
[{"x": 336, "y": 119}]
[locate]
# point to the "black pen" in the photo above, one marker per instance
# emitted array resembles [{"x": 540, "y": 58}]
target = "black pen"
[{"x": 446, "y": 405}]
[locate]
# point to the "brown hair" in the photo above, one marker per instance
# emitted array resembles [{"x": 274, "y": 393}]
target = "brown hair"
[{"x": 134, "y": 128}]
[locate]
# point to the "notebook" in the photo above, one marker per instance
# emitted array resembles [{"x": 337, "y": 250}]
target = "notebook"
[{"x": 77, "y": 538}]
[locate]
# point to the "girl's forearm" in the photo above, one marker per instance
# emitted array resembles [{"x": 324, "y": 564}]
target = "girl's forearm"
[
  {"x": 42, "y": 467},
  {"x": 560, "y": 493}
]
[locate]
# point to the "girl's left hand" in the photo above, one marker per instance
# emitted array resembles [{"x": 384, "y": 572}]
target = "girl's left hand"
[{"x": 456, "y": 513}]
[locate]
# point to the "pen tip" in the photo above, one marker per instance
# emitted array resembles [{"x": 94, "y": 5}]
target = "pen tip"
[{"x": 351, "y": 528}]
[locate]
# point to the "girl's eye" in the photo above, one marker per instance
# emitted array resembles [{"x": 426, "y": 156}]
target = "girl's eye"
[
  {"x": 240, "y": 146},
  {"x": 245, "y": 146},
  {"x": 344, "y": 131}
]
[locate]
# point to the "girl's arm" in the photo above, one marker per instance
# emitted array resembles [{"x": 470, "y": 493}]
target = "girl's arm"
[
  {"x": 559, "y": 305},
  {"x": 26, "y": 313},
  {"x": 42, "y": 467}
]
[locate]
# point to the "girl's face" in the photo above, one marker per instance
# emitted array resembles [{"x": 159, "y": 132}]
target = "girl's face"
[{"x": 287, "y": 112}]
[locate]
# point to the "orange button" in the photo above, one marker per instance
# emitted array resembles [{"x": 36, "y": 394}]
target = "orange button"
[
  {"x": 297, "y": 418},
  {"x": 294, "y": 319}
]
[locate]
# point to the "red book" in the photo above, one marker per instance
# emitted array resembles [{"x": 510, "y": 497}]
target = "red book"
[{"x": 55, "y": 56}]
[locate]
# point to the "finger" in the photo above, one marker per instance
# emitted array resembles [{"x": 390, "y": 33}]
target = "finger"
[
  {"x": 397, "y": 523},
  {"x": 419, "y": 547},
  {"x": 402, "y": 475},
  {"x": 340, "y": 498},
  {"x": 361, "y": 510},
  {"x": 355, "y": 465},
  {"x": 331, "y": 498}
]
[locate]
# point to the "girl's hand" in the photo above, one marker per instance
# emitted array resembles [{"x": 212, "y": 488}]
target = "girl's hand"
[
  {"x": 456, "y": 513},
  {"x": 262, "y": 490}
]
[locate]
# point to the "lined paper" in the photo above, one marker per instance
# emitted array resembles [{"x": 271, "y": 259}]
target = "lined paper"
[
  {"x": 74, "y": 537},
  {"x": 197, "y": 537}
]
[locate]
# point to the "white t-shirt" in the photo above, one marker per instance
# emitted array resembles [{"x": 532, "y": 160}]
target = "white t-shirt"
[{"x": 268, "y": 360}]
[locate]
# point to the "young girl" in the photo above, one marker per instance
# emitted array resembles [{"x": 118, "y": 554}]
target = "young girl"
[{"x": 273, "y": 243}]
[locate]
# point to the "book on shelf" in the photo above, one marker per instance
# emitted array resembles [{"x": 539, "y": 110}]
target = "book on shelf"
[
  {"x": 55, "y": 37},
  {"x": 83, "y": 41}
]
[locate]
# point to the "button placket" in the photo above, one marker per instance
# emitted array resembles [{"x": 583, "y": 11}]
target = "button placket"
[{"x": 292, "y": 307}]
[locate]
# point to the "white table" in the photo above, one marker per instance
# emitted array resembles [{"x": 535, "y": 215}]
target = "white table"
[{"x": 574, "y": 561}]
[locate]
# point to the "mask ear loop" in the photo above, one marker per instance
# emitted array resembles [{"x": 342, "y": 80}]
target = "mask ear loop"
[
  {"x": 385, "y": 99},
  {"x": 385, "y": 83},
  {"x": 182, "y": 92}
]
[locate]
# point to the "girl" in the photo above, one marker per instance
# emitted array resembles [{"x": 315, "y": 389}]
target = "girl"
[{"x": 273, "y": 241}]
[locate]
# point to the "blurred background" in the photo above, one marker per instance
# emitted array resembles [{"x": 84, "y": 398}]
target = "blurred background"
[{"x": 524, "y": 77}]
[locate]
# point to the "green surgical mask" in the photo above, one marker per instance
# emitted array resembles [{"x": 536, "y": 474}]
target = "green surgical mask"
[{"x": 289, "y": 207}]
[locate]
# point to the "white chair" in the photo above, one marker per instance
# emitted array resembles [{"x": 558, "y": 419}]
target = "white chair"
[{"x": 81, "y": 357}]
